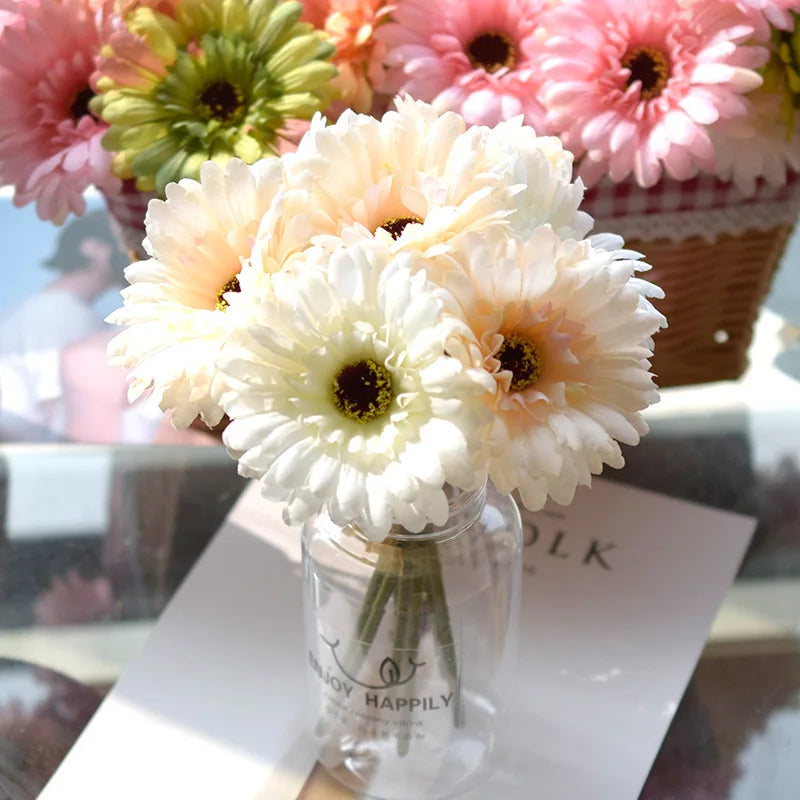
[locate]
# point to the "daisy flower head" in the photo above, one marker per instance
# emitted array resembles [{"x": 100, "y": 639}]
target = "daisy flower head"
[
  {"x": 470, "y": 56},
  {"x": 177, "y": 306},
  {"x": 565, "y": 329},
  {"x": 50, "y": 142},
  {"x": 416, "y": 179},
  {"x": 632, "y": 87},
  {"x": 342, "y": 395},
  {"x": 351, "y": 26},
  {"x": 759, "y": 146},
  {"x": 213, "y": 80}
]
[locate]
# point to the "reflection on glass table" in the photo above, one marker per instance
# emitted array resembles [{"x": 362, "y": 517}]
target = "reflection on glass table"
[{"x": 97, "y": 538}]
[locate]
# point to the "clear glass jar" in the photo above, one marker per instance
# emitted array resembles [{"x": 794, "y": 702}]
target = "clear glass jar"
[{"x": 411, "y": 647}]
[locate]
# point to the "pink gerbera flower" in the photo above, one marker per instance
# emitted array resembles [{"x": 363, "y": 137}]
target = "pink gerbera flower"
[
  {"x": 776, "y": 13},
  {"x": 469, "y": 56},
  {"x": 9, "y": 11},
  {"x": 50, "y": 147},
  {"x": 632, "y": 87}
]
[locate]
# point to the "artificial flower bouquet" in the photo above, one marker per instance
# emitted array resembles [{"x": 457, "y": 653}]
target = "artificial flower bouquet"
[
  {"x": 389, "y": 315},
  {"x": 271, "y": 295}
]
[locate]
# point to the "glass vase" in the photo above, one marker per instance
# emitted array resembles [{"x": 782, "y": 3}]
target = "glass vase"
[{"x": 411, "y": 648}]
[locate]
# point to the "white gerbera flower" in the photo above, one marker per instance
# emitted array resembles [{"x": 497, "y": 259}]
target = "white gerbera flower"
[
  {"x": 176, "y": 305},
  {"x": 343, "y": 396},
  {"x": 757, "y": 146},
  {"x": 415, "y": 179},
  {"x": 565, "y": 329}
]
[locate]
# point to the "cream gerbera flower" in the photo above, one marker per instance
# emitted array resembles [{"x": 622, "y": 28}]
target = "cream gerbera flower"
[
  {"x": 177, "y": 304},
  {"x": 415, "y": 179},
  {"x": 342, "y": 394},
  {"x": 565, "y": 329}
]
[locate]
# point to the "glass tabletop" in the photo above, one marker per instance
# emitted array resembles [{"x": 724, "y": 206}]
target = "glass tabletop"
[
  {"x": 97, "y": 538},
  {"x": 96, "y": 535}
]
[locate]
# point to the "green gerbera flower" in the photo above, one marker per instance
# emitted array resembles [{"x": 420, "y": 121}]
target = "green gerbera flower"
[
  {"x": 782, "y": 72},
  {"x": 219, "y": 80}
]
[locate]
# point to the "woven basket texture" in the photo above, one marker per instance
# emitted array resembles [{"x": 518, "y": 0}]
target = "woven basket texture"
[{"x": 713, "y": 295}]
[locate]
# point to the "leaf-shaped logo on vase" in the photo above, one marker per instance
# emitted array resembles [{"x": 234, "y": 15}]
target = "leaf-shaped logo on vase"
[{"x": 390, "y": 672}]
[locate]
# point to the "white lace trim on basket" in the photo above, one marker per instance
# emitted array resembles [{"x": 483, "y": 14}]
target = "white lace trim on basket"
[{"x": 709, "y": 224}]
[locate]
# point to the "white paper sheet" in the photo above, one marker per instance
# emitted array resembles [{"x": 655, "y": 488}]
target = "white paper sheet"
[{"x": 620, "y": 591}]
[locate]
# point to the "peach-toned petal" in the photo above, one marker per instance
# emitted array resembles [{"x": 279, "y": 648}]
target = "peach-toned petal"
[
  {"x": 351, "y": 26},
  {"x": 576, "y": 376}
]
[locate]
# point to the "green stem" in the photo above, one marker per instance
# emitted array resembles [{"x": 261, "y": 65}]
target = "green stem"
[
  {"x": 380, "y": 590},
  {"x": 444, "y": 631},
  {"x": 403, "y": 621},
  {"x": 420, "y": 577},
  {"x": 408, "y": 629},
  {"x": 368, "y": 628}
]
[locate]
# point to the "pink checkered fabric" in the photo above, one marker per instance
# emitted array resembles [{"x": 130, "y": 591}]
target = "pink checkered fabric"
[{"x": 610, "y": 200}]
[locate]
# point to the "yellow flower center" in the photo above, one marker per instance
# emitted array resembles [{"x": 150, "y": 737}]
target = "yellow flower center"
[
  {"x": 363, "y": 391},
  {"x": 650, "y": 67},
  {"x": 491, "y": 51},
  {"x": 396, "y": 225},
  {"x": 522, "y": 359},
  {"x": 231, "y": 286},
  {"x": 220, "y": 101}
]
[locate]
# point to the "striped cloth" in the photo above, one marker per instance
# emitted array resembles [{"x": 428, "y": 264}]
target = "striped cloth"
[
  {"x": 703, "y": 193},
  {"x": 669, "y": 200}
]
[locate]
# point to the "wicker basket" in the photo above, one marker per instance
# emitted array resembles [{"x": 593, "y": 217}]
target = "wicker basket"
[
  {"x": 714, "y": 280},
  {"x": 713, "y": 294}
]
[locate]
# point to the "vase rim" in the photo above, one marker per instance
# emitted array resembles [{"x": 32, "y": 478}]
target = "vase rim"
[{"x": 465, "y": 507}]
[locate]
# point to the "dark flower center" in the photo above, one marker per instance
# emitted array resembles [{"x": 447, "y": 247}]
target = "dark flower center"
[
  {"x": 522, "y": 359},
  {"x": 231, "y": 286},
  {"x": 80, "y": 105},
  {"x": 396, "y": 225},
  {"x": 220, "y": 101},
  {"x": 648, "y": 66},
  {"x": 491, "y": 51},
  {"x": 363, "y": 391}
]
